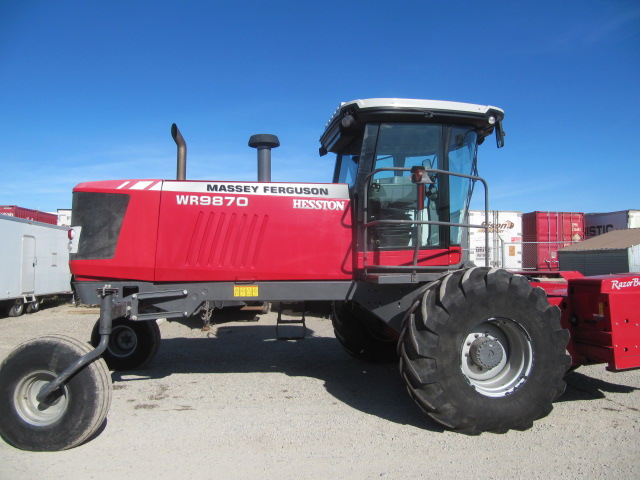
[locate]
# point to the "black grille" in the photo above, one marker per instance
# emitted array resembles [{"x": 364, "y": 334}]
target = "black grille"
[{"x": 100, "y": 215}]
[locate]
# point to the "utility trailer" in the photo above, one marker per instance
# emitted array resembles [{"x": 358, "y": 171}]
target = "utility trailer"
[
  {"x": 479, "y": 348},
  {"x": 34, "y": 260}
]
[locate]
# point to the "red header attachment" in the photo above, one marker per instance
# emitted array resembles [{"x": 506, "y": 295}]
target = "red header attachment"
[{"x": 605, "y": 317}]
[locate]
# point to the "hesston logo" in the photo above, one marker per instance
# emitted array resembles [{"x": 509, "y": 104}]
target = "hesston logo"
[
  {"x": 618, "y": 285},
  {"x": 319, "y": 204}
]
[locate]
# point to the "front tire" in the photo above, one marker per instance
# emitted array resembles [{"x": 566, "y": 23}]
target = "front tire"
[
  {"x": 484, "y": 351},
  {"x": 132, "y": 345},
  {"x": 70, "y": 415}
]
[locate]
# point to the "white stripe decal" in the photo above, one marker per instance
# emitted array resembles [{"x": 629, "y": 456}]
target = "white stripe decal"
[
  {"x": 141, "y": 185},
  {"x": 123, "y": 185}
]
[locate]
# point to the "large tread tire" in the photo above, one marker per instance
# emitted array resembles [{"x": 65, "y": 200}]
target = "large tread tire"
[
  {"x": 77, "y": 409},
  {"x": 484, "y": 351},
  {"x": 358, "y": 340},
  {"x": 132, "y": 345}
]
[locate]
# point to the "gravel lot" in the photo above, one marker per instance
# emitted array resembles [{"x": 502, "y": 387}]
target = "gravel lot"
[{"x": 234, "y": 402}]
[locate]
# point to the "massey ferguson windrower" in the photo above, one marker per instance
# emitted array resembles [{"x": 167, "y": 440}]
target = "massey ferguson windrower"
[{"x": 479, "y": 348}]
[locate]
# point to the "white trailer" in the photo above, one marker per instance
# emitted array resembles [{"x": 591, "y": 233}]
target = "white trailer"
[
  {"x": 505, "y": 238},
  {"x": 599, "y": 223},
  {"x": 34, "y": 264}
]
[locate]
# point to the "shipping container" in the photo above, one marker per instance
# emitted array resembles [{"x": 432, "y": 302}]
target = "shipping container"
[
  {"x": 34, "y": 264},
  {"x": 599, "y": 223},
  {"x": 617, "y": 251},
  {"x": 29, "y": 214},
  {"x": 504, "y": 229},
  {"x": 64, "y": 217},
  {"x": 544, "y": 233}
]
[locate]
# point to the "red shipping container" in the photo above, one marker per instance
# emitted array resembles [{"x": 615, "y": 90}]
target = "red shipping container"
[
  {"x": 543, "y": 233},
  {"x": 29, "y": 214}
]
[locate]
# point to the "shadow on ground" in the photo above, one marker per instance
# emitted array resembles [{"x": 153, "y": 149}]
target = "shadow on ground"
[
  {"x": 250, "y": 347},
  {"x": 583, "y": 387},
  {"x": 240, "y": 344}
]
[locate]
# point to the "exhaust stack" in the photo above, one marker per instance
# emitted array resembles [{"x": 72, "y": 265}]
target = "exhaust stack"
[
  {"x": 182, "y": 153},
  {"x": 264, "y": 142}
]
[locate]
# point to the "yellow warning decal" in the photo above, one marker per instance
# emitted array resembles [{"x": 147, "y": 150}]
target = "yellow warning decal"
[{"x": 245, "y": 290}]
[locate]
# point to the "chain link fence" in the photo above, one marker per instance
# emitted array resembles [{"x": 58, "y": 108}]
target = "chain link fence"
[{"x": 521, "y": 255}]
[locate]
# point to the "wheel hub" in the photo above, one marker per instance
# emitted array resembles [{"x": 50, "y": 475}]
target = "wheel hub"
[
  {"x": 486, "y": 352},
  {"x": 123, "y": 341},
  {"x": 496, "y": 357},
  {"x": 32, "y": 411}
]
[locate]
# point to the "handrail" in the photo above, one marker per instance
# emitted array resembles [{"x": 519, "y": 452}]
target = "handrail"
[{"x": 415, "y": 267}]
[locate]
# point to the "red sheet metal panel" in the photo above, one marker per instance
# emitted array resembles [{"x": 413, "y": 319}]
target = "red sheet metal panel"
[
  {"x": 543, "y": 233},
  {"x": 254, "y": 231},
  {"x": 605, "y": 319},
  {"x": 135, "y": 254}
]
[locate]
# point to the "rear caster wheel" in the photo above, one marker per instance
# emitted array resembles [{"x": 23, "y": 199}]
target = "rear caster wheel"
[
  {"x": 70, "y": 415},
  {"x": 132, "y": 345}
]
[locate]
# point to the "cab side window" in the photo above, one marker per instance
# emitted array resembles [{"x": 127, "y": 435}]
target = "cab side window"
[{"x": 347, "y": 169}]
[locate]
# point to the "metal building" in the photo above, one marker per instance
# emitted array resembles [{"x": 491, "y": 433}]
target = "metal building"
[{"x": 617, "y": 251}]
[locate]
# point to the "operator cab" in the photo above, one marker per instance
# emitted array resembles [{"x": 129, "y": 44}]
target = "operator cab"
[{"x": 378, "y": 142}]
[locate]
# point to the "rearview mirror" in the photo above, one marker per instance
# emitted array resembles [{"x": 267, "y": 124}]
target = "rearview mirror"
[
  {"x": 418, "y": 175},
  {"x": 499, "y": 135}
]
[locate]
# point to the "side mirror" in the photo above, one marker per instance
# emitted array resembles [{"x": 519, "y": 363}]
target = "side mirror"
[
  {"x": 499, "y": 135},
  {"x": 420, "y": 178},
  {"x": 418, "y": 175}
]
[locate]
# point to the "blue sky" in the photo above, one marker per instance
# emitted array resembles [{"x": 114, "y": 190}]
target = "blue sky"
[{"x": 89, "y": 89}]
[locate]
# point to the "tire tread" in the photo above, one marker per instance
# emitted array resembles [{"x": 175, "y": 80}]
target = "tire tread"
[{"x": 437, "y": 320}]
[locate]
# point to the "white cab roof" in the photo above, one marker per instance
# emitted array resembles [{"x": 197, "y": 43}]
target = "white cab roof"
[{"x": 420, "y": 104}]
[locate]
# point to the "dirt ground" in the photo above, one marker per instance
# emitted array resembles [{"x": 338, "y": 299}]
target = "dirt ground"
[{"x": 236, "y": 403}]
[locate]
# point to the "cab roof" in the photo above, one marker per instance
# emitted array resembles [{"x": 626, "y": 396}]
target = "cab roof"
[
  {"x": 416, "y": 104},
  {"x": 351, "y": 116}
]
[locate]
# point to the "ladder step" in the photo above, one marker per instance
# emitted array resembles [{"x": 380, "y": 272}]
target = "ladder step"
[
  {"x": 286, "y": 322},
  {"x": 291, "y": 309}
]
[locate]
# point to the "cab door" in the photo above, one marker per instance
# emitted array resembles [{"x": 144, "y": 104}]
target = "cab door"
[{"x": 392, "y": 223}]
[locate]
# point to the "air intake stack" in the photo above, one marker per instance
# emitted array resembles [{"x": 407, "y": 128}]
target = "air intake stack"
[{"x": 264, "y": 142}]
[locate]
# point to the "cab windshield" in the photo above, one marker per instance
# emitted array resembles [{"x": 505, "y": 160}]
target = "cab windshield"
[{"x": 392, "y": 195}]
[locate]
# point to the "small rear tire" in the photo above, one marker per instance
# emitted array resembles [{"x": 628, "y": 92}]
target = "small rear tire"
[
  {"x": 132, "y": 345},
  {"x": 71, "y": 414}
]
